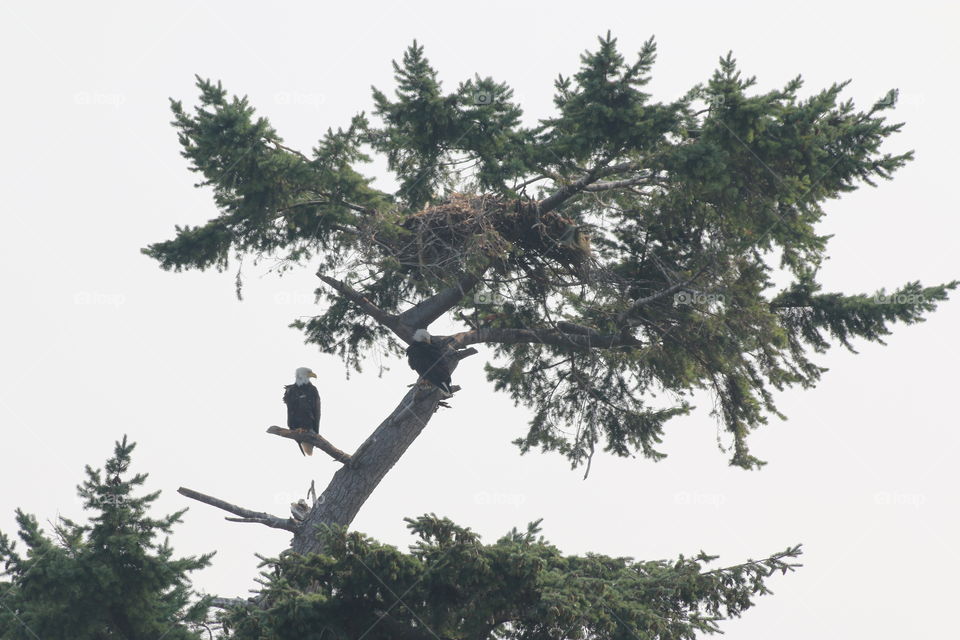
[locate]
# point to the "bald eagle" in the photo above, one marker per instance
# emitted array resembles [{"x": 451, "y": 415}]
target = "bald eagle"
[
  {"x": 427, "y": 359},
  {"x": 303, "y": 406}
]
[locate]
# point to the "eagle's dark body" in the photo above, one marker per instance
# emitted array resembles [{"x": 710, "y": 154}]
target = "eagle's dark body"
[
  {"x": 303, "y": 407},
  {"x": 428, "y": 360}
]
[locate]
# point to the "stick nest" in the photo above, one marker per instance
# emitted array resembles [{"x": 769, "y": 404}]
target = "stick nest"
[{"x": 468, "y": 230}]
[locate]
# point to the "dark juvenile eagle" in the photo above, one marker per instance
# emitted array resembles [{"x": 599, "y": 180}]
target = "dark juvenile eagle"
[
  {"x": 427, "y": 359},
  {"x": 303, "y": 406}
]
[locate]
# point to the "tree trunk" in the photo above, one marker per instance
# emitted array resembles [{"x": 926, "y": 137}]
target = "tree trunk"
[{"x": 356, "y": 480}]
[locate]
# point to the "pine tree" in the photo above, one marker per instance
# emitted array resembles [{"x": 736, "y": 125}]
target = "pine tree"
[
  {"x": 108, "y": 579},
  {"x": 450, "y": 585},
  {"x": 614, "y": 259}
]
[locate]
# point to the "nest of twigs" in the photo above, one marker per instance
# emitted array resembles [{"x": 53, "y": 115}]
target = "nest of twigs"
[{"x": 468, "y": 230}]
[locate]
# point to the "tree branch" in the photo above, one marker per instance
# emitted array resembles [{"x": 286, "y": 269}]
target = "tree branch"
[
  {"x": 312, "y": 203},
  {"x": 570, "y": 327},
  {"x": 426, "y": 311},
  {"x": 252, "y": 520},
  {"x": 617, "y": 184},
  {"x": 676, "y": 286},
  {"x": 248, "y": 516},
  {"x": 465, "y": 353},
  {"x": 229, "y": 603},
  {"x": 388, "y": 320},
  {"x": 278, "y": 145},
  {"x": 311, "y": 438},
  {"x": 567, "y": 191},
  {"x": 550, "y": 337},
  {"x": 356, "y": 207},
  {"x": 639, "y": 302}
]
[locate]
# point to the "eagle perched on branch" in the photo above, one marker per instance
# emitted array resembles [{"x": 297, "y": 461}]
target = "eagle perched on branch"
[
  {"x": 427, "y": 359},
  {"x": 303, "y": 406}
]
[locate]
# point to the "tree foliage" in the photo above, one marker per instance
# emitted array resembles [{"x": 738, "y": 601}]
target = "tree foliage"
[
  {"x": 109, "y": 578},
  {"x": 631, "y": 248},
  {"x": 451, "y": 585}
]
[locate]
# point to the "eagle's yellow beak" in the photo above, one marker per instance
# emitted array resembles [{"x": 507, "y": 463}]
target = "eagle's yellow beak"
[{"x": 311, "y": 375}]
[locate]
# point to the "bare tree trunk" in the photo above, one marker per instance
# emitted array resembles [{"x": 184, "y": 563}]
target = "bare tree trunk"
[
  {"x": 362, "y": 471},
  {"x": 352, "y": 485}
]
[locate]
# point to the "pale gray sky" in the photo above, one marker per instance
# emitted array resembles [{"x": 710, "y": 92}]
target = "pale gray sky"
[{"x": 98, "y": 342}]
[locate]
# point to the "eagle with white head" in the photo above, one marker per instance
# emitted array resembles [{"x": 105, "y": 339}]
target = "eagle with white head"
[
  {"x": 427, "y": 359},
  {"x": 303, "y": 406}
]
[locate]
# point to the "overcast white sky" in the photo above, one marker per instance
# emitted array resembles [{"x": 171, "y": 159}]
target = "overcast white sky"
[{"x": 97, "y": 341}]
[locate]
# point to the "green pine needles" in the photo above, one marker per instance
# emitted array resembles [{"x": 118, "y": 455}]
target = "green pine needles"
[
  {"x": 615, "y": 257},
  {"x": 450, "y": 585},
  {"x": 113, "y": 577}
]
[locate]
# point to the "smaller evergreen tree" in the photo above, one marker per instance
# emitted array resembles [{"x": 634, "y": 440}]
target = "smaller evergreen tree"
[
  {"x": 108, "y": 579},
  {"x": 450, "y": 585}
]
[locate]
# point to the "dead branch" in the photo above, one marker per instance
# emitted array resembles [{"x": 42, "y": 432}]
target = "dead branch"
[
  {"x": 311, "y": 438},
  {"x": 251, "y": 520},
  {"x": 466, "y": 353},
  {"x": 246, "y": 515}
]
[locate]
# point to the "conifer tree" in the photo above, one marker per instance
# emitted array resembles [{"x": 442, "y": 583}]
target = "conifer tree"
[
  {"x": 450, "y": 585},
  {"x": 111, "y": 578},
  {"x": 612, "y": 260}
]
